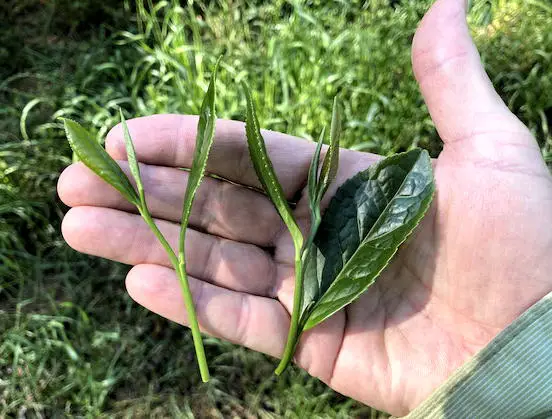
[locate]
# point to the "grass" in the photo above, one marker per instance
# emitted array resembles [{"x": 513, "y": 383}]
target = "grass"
[{"x": 71, "y": 342}]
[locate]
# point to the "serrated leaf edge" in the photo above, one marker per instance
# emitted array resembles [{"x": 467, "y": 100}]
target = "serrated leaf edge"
[{"x": 307, "y": 324}]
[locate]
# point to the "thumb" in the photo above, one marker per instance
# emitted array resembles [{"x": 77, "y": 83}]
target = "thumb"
[{"x": 461, "y": 99}]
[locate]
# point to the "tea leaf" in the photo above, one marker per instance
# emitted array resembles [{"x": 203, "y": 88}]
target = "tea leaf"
[
  {"x": 132, "y": 160},
  {"x": 265, "y": 171},
  {"x": 316, "y": 187},
  {"x": 96, "y": 158},
  {"x": 368, "y": 218},
  {"x": 204, "y": 141},
  {"x": 267, "y": 177},
  {"x": 312, "y": 182},
  {"x": 331, "y": 160}
]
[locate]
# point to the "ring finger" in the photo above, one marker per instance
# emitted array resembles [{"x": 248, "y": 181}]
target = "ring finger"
[{"x": 124, "y": 237}]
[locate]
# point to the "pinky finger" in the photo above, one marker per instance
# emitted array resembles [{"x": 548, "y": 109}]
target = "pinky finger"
[{"x": 255, "y": 322}]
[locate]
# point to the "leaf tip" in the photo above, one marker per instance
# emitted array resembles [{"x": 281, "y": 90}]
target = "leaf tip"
[
  {"x": 217, "y": 63},
  {"x": 71, "y": 128}
]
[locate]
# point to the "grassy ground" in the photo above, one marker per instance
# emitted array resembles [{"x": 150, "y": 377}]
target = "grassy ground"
[{"x": 71, "y": 342}]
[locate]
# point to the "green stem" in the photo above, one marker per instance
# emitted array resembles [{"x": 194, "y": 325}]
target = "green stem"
[
  {"x": 316, "y": 219},
  {"x": 301, "y": 253},
  {"x": 180, "y": 267},
  {"x": 293, "y": 334},
  {"x": 192, "y": 320},
  {"x": 151, "y": 224}
]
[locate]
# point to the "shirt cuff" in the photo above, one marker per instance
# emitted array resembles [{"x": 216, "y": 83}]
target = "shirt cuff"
[{"x": 509, "y": 378}]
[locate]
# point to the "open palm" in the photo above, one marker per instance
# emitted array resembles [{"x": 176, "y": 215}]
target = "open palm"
[{"x": 480, "y": 257}]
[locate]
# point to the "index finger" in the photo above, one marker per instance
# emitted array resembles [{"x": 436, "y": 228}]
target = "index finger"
[{"x": 169, "y": 140}]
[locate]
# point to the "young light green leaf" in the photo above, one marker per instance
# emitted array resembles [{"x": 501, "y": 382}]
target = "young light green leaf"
[
  {"x": 313, "y": 174},
  {"x": 267, "y": 177},
  {"x": 93, "y": 155},
  {"x": 132, "y": 160},
  {"x": 331, "y": 160},
  {"x": 204, "y": 141},
  {"x": 368, "y": 218},
  {"x": 265, "y": 171}
]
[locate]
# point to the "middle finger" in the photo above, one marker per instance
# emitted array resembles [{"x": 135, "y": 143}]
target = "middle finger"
[{"x": 221, "y": 208}]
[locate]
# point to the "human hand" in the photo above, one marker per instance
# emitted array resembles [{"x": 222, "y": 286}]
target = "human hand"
[{"x": 481, "y": 256}]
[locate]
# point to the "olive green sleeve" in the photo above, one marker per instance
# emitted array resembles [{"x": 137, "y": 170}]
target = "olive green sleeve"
[{"x": 510, "y": 378}]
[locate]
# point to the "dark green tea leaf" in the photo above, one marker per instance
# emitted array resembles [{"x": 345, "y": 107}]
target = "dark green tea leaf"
[
  {"x": 132, "y": 160},
  {"x": 93, "y": 155},
  {"x": 265, "y": 171},
  {"x": 370, "y": 215}
]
